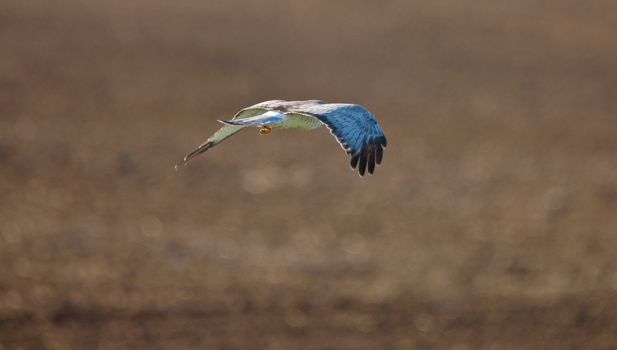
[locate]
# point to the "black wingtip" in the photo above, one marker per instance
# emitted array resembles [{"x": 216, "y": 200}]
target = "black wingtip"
[
  {"x": 369, "y": 157},
  {"x": 354, "y": 161},
  {"x": 362, "y": 165},
  {"x": 379, "y": 155},
  {"x": 371, "y": 162},
  {"x": 180, "y": 164},
  {"x": 199, "y": 150}
]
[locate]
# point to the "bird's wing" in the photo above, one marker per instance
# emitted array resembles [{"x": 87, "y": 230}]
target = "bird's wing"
[
  {"x": 223, "y": 133},
  {"x": 268, "y": 118},
  {"x": 356, "y": 130}
]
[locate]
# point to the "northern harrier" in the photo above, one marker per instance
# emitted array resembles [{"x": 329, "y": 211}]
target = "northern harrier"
[{"x": 354, "y": 127}]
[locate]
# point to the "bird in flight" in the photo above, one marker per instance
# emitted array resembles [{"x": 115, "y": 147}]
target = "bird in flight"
[{"x": 354, "y": 127}]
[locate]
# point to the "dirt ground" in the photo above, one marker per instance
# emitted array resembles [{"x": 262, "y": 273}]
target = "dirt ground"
[{"x": 491, "y": 223}]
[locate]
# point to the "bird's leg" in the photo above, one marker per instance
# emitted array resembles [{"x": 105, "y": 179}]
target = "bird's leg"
[{"x": 265, "y": 130}]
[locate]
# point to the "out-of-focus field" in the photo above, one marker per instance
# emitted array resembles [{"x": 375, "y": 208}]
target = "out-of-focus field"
[{"x": 491, "y": 224}]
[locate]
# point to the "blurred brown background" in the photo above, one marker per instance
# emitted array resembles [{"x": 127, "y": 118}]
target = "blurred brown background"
[{"x": 490, "y": 225}]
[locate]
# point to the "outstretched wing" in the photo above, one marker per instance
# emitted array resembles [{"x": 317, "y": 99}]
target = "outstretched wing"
[
  {"x": 355, "y": 128},
  {"x": 223, "y": 133}
]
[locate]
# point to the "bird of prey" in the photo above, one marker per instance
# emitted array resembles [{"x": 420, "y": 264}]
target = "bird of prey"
[{"x": 354, "y": 127}]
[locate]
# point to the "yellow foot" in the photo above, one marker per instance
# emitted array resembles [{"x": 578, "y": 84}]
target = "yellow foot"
[{"x": 265, "y": 130}]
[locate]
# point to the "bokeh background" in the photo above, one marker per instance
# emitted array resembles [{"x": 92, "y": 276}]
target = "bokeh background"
[{"x": 491, "y": 223}]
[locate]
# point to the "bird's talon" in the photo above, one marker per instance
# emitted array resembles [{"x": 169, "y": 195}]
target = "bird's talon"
[{"x": 265, "y": 130}]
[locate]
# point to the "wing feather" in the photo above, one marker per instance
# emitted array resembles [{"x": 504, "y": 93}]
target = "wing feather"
[
  {"x": 356, "y": 130},
  {"x": 223, "y": 133}
]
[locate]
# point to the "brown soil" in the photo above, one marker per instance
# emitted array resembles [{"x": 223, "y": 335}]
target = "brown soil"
[{"x": 490, "y": 225}]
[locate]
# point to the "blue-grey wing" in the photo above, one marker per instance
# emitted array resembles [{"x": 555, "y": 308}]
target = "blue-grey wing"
[{"x": 356, "y": 129}]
